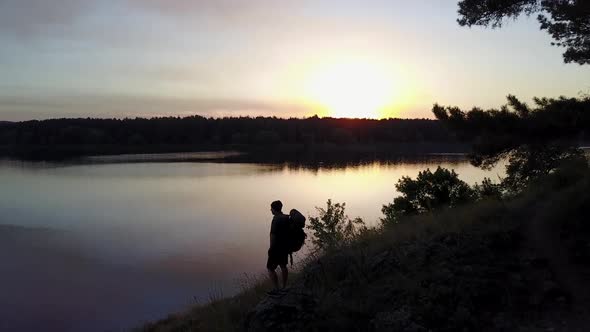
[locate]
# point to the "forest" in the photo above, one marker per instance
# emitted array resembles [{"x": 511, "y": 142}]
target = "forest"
[{"x": 73, "y": 137}]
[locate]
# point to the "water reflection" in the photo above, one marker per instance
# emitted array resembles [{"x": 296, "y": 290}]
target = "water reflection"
[{"x": 99, "y": 246}]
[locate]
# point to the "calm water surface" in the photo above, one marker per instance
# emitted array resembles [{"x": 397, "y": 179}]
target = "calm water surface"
[{"x": 110, "y": 244}]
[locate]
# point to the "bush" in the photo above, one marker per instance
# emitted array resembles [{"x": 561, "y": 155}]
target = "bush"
[
  {"x": 488, "y": 189},
  {"x": 528, "y": 163},
  {"x": 430, "y": 191},
  {"x": 332, "y": 228}
]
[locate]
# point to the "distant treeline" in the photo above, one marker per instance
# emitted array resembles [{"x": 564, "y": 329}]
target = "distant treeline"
[
  {"x": 241, "y": 130},
  {"x": 195, "y": 131}
]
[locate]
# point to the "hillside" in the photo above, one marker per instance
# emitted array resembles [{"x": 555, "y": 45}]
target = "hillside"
[{"x": 521, "y": 264}]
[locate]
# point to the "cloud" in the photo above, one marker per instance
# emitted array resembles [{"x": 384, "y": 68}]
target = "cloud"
[
  {"x": 228, "y": 9},
  {"x": 122, "y": 23},
  {"x": 27, "y": 18}
]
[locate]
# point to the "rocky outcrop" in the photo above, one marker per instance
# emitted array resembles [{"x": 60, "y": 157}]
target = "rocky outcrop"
[
  {"x": 396, "y": 320},
  {"x": 292, "y": 310}
]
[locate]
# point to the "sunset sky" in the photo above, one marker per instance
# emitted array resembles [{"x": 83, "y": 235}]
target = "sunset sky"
[{"x": 373, "y": 58}]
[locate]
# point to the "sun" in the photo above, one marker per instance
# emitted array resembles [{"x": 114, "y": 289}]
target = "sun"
[{"x": 351, "y": 90}]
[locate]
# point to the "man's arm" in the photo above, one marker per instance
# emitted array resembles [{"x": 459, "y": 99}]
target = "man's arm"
[
  {"x": 272, "y": 240},
  {"x": 273, "y": 237}
]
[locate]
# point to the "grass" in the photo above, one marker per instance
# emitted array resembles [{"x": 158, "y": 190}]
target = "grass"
[{"x": 219, "y": 314}]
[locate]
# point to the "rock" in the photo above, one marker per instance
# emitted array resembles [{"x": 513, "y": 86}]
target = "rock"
[
  {"x": 580, "y": 252},
  {"x": 462, "y": 316},
  {"x": 292, "y": 311},
  {"x": 553, "y": 294},
  {"x": 467, "y": 269},
  {"x": 539, "y": 262},
  {"x": 451, "y": 239},
  {"x": 398, "y": 320},
  {"x": 502, "y": 323},
  {"x": 550, "y": 286}
]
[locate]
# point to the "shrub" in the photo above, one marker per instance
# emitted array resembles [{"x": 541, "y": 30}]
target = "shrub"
[
  {"x": 333, "y": 228},
  {"x": 528, "y": 163},
  {"x": 488, "y": 189},
  {"x": 430, "y": 191}
]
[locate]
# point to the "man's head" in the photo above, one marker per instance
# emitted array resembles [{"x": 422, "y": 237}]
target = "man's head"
[{"x": 276, "y": 207}]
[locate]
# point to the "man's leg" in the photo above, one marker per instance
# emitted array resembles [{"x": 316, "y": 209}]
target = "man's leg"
[
  {"x": 274, "y": 278},
  {"x": 271, "y": 266},
  {"x": 284, "y": 274}
]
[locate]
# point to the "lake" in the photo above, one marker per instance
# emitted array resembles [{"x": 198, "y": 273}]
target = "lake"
[{"x": 108, "y": 243}]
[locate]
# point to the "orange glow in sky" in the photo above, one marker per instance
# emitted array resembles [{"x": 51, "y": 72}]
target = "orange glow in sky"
[{"x": 354, "y": 89}]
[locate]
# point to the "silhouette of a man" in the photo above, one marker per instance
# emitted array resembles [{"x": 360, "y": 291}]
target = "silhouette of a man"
[{"x": 277, "y": 253}]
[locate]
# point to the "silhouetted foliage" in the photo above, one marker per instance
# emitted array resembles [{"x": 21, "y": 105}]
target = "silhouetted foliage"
[
  {"x": 332, "y": 228},
  {"x": 516, "y": 123},
  {"x": 159, "y": 134},
  {"x": 567, "y": 21},
  {"x": 535, "y": 141},
  {"x": 488, "y": 189},
  {"x": 529, "y": 162},
  {"x": 430, "y": 191}
]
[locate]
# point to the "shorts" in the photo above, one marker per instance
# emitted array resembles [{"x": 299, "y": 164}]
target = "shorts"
[{"x": 276, "y": 258}]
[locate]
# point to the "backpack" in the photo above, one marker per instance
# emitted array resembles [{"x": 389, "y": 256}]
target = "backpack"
[{"x": 297, "y": 236}]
